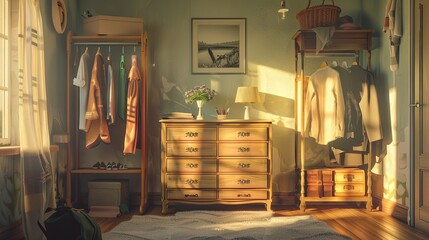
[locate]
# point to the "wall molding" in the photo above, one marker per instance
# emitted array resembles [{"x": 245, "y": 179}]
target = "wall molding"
[{"x": 391, "y": 208}]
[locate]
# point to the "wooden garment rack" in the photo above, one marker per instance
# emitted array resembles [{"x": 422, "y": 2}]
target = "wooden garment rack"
[
  {"x": 343, "y": 43},
  {"x": 73, "y": 160}
]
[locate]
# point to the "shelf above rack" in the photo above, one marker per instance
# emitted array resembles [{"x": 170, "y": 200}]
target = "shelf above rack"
[
  {"x": 99, "y": 171},
  {"x": 342, "y": 40}
]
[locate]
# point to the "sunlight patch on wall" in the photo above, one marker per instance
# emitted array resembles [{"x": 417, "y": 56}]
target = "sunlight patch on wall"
[
  {"x": 395, "y": 163},
  {"x": 277, "y": 90}
]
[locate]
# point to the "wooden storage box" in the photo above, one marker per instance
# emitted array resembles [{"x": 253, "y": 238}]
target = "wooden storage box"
[
  {"x": 313, "y": 176},
  {"x": 107, "y": 192},
  {"x": 328, "y": 189},
  {"x": 314, "y": 190},
  {"x": 112, "y": 25}
]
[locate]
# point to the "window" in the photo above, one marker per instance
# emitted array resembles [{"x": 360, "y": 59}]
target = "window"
[{"x": 4, "y": 73}]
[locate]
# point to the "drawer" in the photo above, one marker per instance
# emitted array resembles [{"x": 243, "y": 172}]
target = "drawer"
[
  {"x": 243, "y": 194},
  {"x": 191, "y": 194},
  {"x": 243, "y": 149},
  {"x": 259, "y": 165},
  {"x": 191, "y": 181},
  {"x": 191, "y": 134},
  {"x": 191, "y": 149},
  {"x": 349, "y": 175},
  {"x": 243, "y": 181},
  {"x": 205, "y": 165},
  {"x": 349, "y": 189},
  {"x": 240, "y": 134}
]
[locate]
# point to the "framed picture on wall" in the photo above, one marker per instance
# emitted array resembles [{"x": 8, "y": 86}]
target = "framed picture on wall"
[{"x": 219, "y": 45}]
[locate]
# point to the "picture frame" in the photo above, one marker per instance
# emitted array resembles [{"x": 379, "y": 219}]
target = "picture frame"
[{"x": 219, "y": 45}]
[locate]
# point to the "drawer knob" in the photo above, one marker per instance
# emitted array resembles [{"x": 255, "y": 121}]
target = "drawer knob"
[
  {"x": 349, "y": 177},
  {"x": 191, "y": 165},
  {"x": 244, "y": 165},
  {"x": 243, "y": 149},
  {"x": 192, "y": 195},
  {"x": 349, "y": 187},
  {"x": 191, "y": 134},
  {"x": 191, "y": 181},
  {"x": 243, "y": 134},
  {"x": 244, "y": 195},
  {"x": 191, "y": 149},
  {"x": 243, "y": 181}
]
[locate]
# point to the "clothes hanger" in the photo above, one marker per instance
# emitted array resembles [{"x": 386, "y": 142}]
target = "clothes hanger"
[
  {"x": 122, "y": 50},
  {"x": 344, "y": 64},
  {"x": 334, "y": 63},
  {"x": 108, "y": 55}
]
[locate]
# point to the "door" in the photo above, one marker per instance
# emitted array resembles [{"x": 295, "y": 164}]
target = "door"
[{"x": 422, "y": 114}]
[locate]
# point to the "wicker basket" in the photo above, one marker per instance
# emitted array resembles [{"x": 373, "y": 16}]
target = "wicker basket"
[{"x": 318, "y": 16}]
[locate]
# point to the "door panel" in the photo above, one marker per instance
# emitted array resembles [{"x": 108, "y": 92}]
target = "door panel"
[{"x": 422, "y": 115}]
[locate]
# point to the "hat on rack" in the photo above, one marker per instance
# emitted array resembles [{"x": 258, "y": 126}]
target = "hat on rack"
[{"x": 59, "y": 15}]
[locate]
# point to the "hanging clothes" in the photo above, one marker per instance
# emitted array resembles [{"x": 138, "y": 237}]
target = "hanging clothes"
[
  {"x": 352, "y": 113},
  {"x": 96, "y": 125},
  {"x": 122, "y": 89},
  {"x": 393, "y": 25},
  {"x": 369, "y": 102},
  {"x": 111, "y": 95},
  {"x": 82, "y": 81},
  {"x": 132, "y": 121},
  {"x": 324, "y": 106}
]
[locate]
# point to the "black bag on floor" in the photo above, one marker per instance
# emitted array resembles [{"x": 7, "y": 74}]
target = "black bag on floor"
[{"x": 70, "y": 224}]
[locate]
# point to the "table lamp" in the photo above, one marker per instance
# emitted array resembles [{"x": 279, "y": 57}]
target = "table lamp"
[{"x": 247, "y": 95}]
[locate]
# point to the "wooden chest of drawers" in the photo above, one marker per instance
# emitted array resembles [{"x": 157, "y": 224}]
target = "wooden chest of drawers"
[
  {"x": 216, "y": 162},
  {"x": 349, "y": 182}
]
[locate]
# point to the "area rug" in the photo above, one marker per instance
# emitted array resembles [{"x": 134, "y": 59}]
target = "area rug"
[{"x": 219, "y": 225}]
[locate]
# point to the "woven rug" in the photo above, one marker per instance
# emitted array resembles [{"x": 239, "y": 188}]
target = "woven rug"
[{"x": 218, "y": 225}]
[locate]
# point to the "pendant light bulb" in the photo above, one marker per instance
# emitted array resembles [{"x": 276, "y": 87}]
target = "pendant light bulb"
[{"x": 283, "y": 10}]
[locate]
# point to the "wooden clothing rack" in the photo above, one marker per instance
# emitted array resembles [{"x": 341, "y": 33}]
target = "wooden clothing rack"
[
  {"x": 343, "y": 43},
  {"x": 73, "y": 168}
]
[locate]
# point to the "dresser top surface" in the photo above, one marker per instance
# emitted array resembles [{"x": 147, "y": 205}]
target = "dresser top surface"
[{"x": 215, "y": 121}]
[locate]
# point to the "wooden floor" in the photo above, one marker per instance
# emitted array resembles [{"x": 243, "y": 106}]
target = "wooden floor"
[{"x": 357, "y": 223}]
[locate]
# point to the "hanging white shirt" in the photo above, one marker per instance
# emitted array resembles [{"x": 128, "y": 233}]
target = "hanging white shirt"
[
  {"x": 81, "y": 80},
  {"x": 324, "y": 106}
]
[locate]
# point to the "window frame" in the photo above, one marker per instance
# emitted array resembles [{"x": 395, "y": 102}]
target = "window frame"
[{"x": 5, "y": 74}]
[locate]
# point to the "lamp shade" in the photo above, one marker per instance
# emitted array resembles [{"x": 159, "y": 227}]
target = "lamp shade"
[{"x": 247, "y": 95}]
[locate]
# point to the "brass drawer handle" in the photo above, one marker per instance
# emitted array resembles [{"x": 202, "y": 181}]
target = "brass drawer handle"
[
  {"x": 191, "y": 165},
  {"x": 191, "y": 181},
  {"x": 191, "y": 149},
  {"x": 349, "y": 187},
  {"x": 243, "y": 181},
  {"x": 243, "y": 165},
  {"x": 243, "y": 149},
  {"x": 244, "y": 195},
  {"x": 349, "y": 177},
  {"x": 243, "y": 134},
  {"x": 191, "y": 134},
  {"x": 192, "y": 195}
]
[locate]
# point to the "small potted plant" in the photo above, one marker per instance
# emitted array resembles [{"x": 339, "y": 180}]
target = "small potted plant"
[{"x": 200, "y": 95}]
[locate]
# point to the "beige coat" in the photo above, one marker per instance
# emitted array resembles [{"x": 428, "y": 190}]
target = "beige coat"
[{"x": 324, "y": 106}]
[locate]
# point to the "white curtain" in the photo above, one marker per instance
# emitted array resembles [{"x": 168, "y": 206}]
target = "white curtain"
[{"x": 36, "y": 163}]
